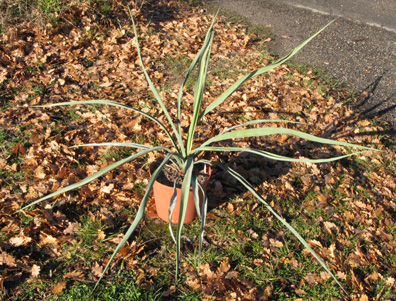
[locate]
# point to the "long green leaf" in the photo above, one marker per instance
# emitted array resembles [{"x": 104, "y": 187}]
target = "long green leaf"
[
  {"x": 155, "y": 92},
  {"x": 276, "y": 157},
  {"x": 273, "y": 131},
  {"x": 245, "y": 183},
  {"x": 257, "y": 72},
  {"x": 204, "y": 209},
  {"x": 139, "y": 215},
  {"x": 185, "y": 191},
  {"x": 199, "y": 90},
  {"x": 195, "y": 189},
  {"x": 114, "y": 104},
  {"x": 94, "y": 176},
  {"x": 257, "y": 122},
  {"x": 119, "y": 144},
  {"x": 190, "y": 69},
  {"x": 127, "y": 144},
  {"x": 172, "y": 205}
]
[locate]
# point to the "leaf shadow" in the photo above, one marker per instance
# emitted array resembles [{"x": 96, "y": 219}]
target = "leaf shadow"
[
  {"x": 367, "y": 96},
  {"x": 258, "y": 170},
  {"x": 375, "y": 113}
]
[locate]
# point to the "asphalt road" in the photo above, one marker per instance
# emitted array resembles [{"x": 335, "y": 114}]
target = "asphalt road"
[{"x": 359, "y": 48}]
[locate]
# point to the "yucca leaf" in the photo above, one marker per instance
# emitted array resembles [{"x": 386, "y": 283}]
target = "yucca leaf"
[
  {"x": 115, "y": 144},
  {"x": 276, "y": 157},
  {"x": 199, "y": 90},
  {"x": 195, "y": 190},
  {"x": 257, "y": 72},
  {"x": 185, "y": 191},
  {"x": 257, "y": 122},
  {"x": 94, "y": 176},
  {"x": 203, "y": 222},
  {"x": 172, "y": 205},
  {"x": 190, "y": 69},
  {"x": 245, "y": 183},
  {"x": 273, "y": 131},
  {"x": 114, "y": 104},
  {"x": 139, "y": 215},
  {"x": 180, "y": 147}
]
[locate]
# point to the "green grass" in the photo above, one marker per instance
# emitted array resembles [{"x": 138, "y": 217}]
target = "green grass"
[
  {"x": 117, "y": 154},
  {"x": 123, "y": 287},
  {"x": 73, "y": 115}
]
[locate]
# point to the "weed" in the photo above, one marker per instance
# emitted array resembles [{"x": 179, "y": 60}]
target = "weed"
[
  {"x": 73, "y": 115},
  {"x": 117, "y": 154},
  {"x": 50, "y": 6}
]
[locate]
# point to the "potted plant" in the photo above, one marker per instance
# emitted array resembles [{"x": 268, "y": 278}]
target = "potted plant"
[
  {"x": 184, "y": 155},
  {"x": 167, "y": 192}
]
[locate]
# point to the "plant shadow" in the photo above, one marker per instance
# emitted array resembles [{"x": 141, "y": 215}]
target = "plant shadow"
[
  {"x": 366, "y": 107},
  {"x": 260, "y": 171},
  {"x": 367, "y": 96}
]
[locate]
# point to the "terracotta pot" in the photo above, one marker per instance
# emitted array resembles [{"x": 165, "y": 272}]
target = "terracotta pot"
[{"x": 163, "y": 195}]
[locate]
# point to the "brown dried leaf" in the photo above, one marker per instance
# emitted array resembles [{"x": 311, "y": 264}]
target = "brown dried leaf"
[
  {"x": 20, "y": 240},
  {"x": 78, "y": 275},
  {"x": 329, "y": 226},
  {"x": 223, "y": 268},
  {"x": 101, "y": 235},
  {"x": 39, "y": 173},
  {"x": 46, "y": 239},
  {"x": 341, "y": 275},
  {"x": 311, "y": 279},
  {"x": 18, "y": 149},
  {"x": 276, "y": 243},
  {"x": 324, "y": 275},
  {"x": 97, "y": 270},
  {"x": 72, "y": 228},
  {"x": 7, "y": 259},
  {"x": 363, "y": 298},
  {"x": 58, "y": 288},
  {"x": 35, "y": 271},
  {"x": 107, "y": 189},
  {"x": 300, "y": 291}
]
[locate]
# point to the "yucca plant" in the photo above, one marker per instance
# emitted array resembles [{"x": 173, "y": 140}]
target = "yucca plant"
[{"x": 185, "y": 156}]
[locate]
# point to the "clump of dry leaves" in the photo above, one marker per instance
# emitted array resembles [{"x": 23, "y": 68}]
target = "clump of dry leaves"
[{"x": 84, "y": 57}]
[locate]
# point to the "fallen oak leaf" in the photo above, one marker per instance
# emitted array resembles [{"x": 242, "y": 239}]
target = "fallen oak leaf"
[
  {"x": 341, "y": 275},
  {"x": 46, "y": 239},
  {"x": 390, "y": 281},
  {"x": 324, "y": 275},
  {"x": 58, "y": 288},
  {"x": 363, "y": 298},
  {"x": 39, "y": 173},
  {"x": 107, "y": 189},
  {"x": 72, "y": 228},
  {"x": 77, "y": 275},
  {"x": 35, "y": 271},
  {"x": 18, "y": 149},
  {"x": 101, "y": 235},
  {"x": 170, "y": 291},
  {"x": 312, "y": 279},
  {"x": 300, "y": 291},
  {"x": 7, "y": 259},
  {"x": 105, "y": 84},
  {"x": 329, "y": 226},
  {"x": 20, "y": 240},
  {"x": 97, "y": 270},
  {"x": 223, "y": 268}
]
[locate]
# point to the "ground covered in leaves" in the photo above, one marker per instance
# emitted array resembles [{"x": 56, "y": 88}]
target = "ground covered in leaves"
[{"x": 345, "y": 210}]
